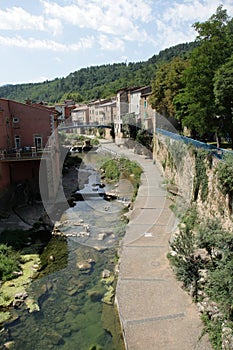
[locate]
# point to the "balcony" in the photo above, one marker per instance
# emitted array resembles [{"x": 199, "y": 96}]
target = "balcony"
[{"x": 25, "y": 153}]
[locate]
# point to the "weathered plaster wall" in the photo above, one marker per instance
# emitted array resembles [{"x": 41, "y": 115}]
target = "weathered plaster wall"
[{"x": 178, "y": 164}]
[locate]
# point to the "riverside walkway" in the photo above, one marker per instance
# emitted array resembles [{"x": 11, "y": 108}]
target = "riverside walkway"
[{"x": 155, "y": 312}]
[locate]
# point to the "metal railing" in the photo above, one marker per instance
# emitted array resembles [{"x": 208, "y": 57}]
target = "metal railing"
[
  {"x": 217, "y": 152},
  {"x": 23, "y": 154}
]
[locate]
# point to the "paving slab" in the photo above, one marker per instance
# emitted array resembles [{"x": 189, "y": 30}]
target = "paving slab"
[
  {"x": 151, "y": 263},
  {"x": 155, "y": 312},
  {"x": 163, "y": 334}
]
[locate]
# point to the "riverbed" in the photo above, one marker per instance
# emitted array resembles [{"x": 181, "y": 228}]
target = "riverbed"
[{"x": 75, "y": 290}]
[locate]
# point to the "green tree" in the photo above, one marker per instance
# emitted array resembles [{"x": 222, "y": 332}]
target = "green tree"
[
  {"x": 223, "y": 92},
  {"x": 198, "y": 100},
  {"x": 167, "y": 84},
  {"x": 224, "y": 173},
  {"x": 74, "y": 96}
]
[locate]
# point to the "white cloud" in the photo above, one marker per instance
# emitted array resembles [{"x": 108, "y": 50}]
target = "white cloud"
[
  {"x": 191, "y": 11},
  {"x": 121, "y": 18},
  {"x": 35, "y": 44},
  {"x": 16, "y": 18},
  {"x": 167, "y": 36},
  {"x": 175, "y": 24},
  {"x": 111, "y": 44}
]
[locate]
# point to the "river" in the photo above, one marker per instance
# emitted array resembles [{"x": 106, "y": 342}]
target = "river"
[{"x": 71, "y": 288}]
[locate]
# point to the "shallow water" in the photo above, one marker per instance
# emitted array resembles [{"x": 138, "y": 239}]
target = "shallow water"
[
  {"x": 72, "y": 314},
  {"x": 71, "y": 311}
]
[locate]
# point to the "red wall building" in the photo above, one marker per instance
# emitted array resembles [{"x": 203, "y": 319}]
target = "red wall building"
[{"x": 25, "y": 130}]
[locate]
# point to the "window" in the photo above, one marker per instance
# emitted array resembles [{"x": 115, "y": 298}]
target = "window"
[
  {"x": 17, "y": 142},
  {"x": 38, "y": 142}
]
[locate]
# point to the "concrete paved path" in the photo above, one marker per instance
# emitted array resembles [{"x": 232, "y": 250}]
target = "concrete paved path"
[{"x": 155, "y": 312}]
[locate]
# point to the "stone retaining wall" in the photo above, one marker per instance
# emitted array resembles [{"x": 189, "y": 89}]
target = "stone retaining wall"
[{"x": 177, "y": 164}]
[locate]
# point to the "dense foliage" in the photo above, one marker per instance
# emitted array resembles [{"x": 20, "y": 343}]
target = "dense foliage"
[
  {"x": 225, "y": 179},
  {"x": 224, "y": 174},
  {"x": 9, "y": 262},
  {"x": 199, "y": 92},
  {"x": 217, "y": 286},
  {"x": 223, "y": 93},
  {"x": 94, "y": 82},
  {"x": 167, "y": 84}
]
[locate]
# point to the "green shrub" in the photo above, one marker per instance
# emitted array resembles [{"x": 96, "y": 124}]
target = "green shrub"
[
  {"x": 211, "y": 236},
  {"x": 111, "y": 169},
  {"x": 184, "y": 261},
  {"x": 9, "y": 262},
  {"x": 220, "y": 285},
  {"x": 214, "y": 330},
  {"x": 224, "y": 173}
]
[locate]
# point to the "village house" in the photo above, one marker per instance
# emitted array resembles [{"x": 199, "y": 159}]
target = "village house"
[
  {"x": 136, "y": 107},
  {"x": 64, "y": 110},
  {"x": 107, "y": 112},
  {"x": 122, "y": 108},
  {"x": 27, "y": 132},
  {"x": 146, "y": 110},
  {"x": 80, "y": 117},
  {"x": 102, "y": 112},
  {"x": 132, "y": 107}
]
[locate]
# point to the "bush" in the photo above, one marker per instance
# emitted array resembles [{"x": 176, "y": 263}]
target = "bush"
[
  {"x": 183, "y": 259},
  {"x": 225, "y": 179},
  {"x": 9, "y": 262},
  {"x": 217, "y": 241},
  {"x": 224, "y": 173},
  {"x": 111, "y": 169}
]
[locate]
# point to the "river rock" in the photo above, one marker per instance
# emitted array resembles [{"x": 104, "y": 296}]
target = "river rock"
[
  {"x": 73, "y": 292},
  {"x": 101, "y": 236},
  {"x": 32, "y": 306},
  {"x": 9, "y": 345},
  {"x": 21, "y": 296},
  {"x": 106, "y": 273},
  {"x": 54, "y": 337},
  {"x": 91, "y": 261},
  {"x": 84, "y": 265},
  {"x": 17, "y": 273},
  {"x": 17, "y": 303}
]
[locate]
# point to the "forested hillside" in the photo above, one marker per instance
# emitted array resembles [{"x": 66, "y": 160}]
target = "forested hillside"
[{"x": 96, "y": 81}]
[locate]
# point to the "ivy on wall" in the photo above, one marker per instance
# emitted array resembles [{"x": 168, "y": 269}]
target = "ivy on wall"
[
  {"x": 224, "y": 173},
  {"x": 200, "y": 184}
]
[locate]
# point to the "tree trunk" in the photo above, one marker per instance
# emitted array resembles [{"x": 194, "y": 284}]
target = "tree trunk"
[{"x": 218, "y": 139}]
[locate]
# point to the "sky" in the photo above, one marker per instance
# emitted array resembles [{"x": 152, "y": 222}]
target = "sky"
[{"x": 47, "y": 39}]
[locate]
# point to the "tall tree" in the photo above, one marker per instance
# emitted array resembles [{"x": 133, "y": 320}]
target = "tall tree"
[
  {"x": 223, "y": 92},
  {"x": 167, "y": 84},
  {"x": 198, "y": 99}
]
